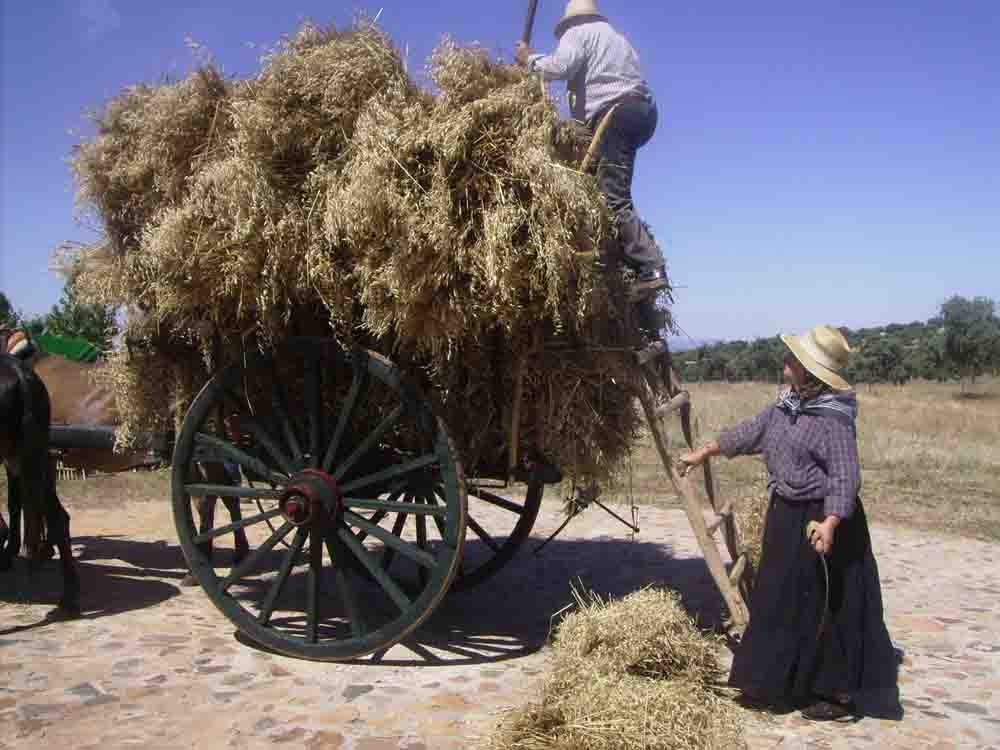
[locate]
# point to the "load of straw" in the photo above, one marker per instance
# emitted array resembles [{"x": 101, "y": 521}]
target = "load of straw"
[
  {"x": 331, "y": 194},
  {"x": 635, "y": 673}
]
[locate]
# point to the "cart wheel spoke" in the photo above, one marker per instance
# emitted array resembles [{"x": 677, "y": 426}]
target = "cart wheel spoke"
[
  {"x": 432, "y": 501},
  {"x": 401, "y": 600},
  {"x": 199, "y": 489},
  {"x": 286, "y": 568},
  {"x": 480, "y": 566},
  {"x": 393, "y": 507},
  {"x": 314, "y": 406},
  {"x": 345, "y": 589},
  {"x": 376, "y": 519},
  {"x": 367, "y": 444},
  {"x": 260, "y": 435},
  {"x": 378, "y": 516},
  {"x": 279, "y": 406},
  {"x": 235, "y": 455},
  {"x": 482, "y": 534},
  {"x": 389, "y": 551},
  {"x": 229, "y": 528},
  {"x": 314, "y": 583},
  {"x": 269, "y": 444},
  {"x": 345, "y": 415},
  {"x": 420, "y": 518},
  {"x": 496, "y": 500},
  {"x": 393, "y": 471},
  {"x": 421, "y": 521},
  {"x": 392, "y": 540},
  {"x": 255, "y": 557}
]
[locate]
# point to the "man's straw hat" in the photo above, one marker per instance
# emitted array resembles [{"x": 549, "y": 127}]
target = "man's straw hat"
[
  {"x": 824, "y": 352},
  {"x": 576, "y": 9}
]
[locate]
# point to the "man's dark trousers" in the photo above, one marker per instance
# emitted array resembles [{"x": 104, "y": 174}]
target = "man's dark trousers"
[{"x": 632, "y": 125}]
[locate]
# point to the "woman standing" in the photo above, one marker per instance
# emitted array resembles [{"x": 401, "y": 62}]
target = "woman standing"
[{"x": 816, "y": 636}]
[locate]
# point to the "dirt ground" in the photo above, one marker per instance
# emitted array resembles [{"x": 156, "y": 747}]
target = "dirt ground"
[{"x": 151, "y": 664}]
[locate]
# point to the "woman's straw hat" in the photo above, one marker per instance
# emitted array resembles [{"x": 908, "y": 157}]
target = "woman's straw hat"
[
  {"x": 824, "y": 352},
  {"x": 576, "y": 9}
]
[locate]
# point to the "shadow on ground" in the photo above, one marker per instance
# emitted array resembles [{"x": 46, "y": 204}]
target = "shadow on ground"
[
  {"x": 512, "y": 614},
  {"x": 508, "y": 616},
  {"x": 108, "y": 587}
]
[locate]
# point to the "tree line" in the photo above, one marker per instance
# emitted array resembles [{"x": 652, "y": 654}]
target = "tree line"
[
  {"x": 96, "y": 324},
  {"x": 961, "y": 342}
]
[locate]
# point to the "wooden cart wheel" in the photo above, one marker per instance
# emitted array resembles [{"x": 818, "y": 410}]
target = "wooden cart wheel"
[
  {"x": 486, "y": 550},
  {"x": 363, "y": 498}
]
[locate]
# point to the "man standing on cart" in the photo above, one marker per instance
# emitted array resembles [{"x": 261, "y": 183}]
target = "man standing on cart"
[{"x": 602, "y": 72}]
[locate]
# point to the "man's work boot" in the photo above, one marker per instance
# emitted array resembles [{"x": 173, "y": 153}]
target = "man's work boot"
[
  {"x": 650, "y": 282},
  {"x": 648, "y": 317}
]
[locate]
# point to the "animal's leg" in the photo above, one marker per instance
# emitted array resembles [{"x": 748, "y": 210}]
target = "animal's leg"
[
  {"x": 10, "y": 549},
  {"x": 219, "y": 473},
  {"x": 206, "y": 522},
  {"x": 239, "y": 536},
  {"x": 47, "y": 549},
  {"x": 15, "y": 504},
  {"x": 4, "y": 531},
  {"x": 205, "y": 506},
  {"x": 57, "y": 521}
]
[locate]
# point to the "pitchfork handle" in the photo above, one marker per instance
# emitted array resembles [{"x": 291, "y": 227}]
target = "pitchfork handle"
[{"x": 529, "y": 23}]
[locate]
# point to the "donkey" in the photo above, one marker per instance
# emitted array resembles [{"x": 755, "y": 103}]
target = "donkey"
[
  {"x": 25, "y": 415},
  {"x": 78, "y": 400}
]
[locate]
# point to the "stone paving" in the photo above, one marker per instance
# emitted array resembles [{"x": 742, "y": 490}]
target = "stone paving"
[{"x": 154, "y": 665}]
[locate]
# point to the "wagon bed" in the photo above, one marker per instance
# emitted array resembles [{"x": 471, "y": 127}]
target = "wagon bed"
[{"x": 358, "y": 509}]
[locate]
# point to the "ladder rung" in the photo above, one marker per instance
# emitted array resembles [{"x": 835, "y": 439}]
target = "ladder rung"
[
  {"x": 738, "y": 568},
  {"x": 725, "y": 513},
  {"x": 651, "y": 352},
  {"x": 677, "y": 403},
  {"x": 714, "y": 526}
]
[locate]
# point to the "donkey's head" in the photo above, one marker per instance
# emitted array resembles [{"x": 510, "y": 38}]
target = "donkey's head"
[{"x": 16, "y": 341}]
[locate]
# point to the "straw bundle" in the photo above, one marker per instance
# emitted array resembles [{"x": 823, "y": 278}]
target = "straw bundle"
[
  {"x": 332, "y": 194},
  {"x": 630, "y": 674},
  {"x": 750, "y": 513}
]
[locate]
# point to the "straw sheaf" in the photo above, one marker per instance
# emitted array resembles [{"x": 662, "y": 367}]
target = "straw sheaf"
[
  {"x": 330, "y": 193},
  {"x": 750, "y": 514},
  {"x": 646, "y": 633},
  {"x": 624, "y": 712},
  {"x": 628, "y": 674},
  {"x": 149, "y": 141}
]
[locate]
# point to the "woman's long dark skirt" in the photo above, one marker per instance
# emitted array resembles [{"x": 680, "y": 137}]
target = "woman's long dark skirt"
[{"x": 783, "y": 655}]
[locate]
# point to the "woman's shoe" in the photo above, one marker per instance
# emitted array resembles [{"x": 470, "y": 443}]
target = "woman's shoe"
[
  {"x": 829, "y": 711},
  {"x": 768, "y": 705}
]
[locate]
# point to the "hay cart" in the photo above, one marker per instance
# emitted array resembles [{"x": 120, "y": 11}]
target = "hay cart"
[
  {"x": 364, "y": 515},
  {"x": 361, "y": 514},
  {"x": 358, "y": 510}
]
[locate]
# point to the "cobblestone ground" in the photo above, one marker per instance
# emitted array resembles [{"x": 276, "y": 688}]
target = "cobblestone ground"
[{"x": 154, "y": 665}]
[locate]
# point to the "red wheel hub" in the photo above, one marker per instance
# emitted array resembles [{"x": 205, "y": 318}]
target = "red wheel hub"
[{"x": 310, "y": 494}]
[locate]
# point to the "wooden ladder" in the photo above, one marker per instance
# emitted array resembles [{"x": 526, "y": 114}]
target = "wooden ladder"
[
  {"x": 734, "y": 584},
  {"x": 660, "y": 378}
]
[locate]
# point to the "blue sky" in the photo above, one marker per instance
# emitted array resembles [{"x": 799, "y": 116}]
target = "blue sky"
[{"x": 815, "y": 162}]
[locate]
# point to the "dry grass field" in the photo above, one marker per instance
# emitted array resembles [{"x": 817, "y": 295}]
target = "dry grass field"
[{"x": 930, "y": 457}]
